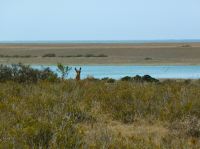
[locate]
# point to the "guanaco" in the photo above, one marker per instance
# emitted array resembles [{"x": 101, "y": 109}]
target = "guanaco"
[{"x": 78, "y": 74}]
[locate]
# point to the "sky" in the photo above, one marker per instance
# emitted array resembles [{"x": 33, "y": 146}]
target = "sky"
[{"x": 36, "y": 20}]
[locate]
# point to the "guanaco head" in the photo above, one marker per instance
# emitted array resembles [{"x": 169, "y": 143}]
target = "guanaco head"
[{"x": 78, "y": 74}]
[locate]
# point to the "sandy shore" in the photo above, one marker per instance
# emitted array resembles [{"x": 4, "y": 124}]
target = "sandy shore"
[{"x": 117, "y": 54}]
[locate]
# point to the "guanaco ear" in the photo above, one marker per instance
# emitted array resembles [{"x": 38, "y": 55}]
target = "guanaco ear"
[
  {"x": 80, "y": 69},
  {"x": 76, "y": 69}
]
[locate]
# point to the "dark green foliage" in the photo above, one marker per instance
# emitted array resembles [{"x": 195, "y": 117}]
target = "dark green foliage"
[
  {"x": 108, "y": 80},
  {"x": 145, "y": 78},
  {"x": 6, "y": 73},
  {"x": 24, "y": 74},
  {"x": 126, "y": 78},
  {"x": 137, "y": 78},
  {"x": 148, "y": 78}
]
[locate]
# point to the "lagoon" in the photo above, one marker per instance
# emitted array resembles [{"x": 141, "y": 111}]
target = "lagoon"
[{"x": 117, "y": 72}]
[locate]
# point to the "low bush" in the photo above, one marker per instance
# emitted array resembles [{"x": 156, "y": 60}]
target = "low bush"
[
  {"x": 137, "y": 78},
  {"x": 24, "y": 74},
  {"x": 148, "y": 78},
  {"x": 92, "y": 55},
  {"x": 126, "y": 78},
  {"x": 108, "y": 80},
  {"x": 148, "y": 58},
  {"x": 102, "y": 55},
  {"x": 17, "y": 56},
  {"x": 49, "y": 55}
]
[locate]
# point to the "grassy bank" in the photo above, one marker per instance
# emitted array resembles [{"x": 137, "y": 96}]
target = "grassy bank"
[{"x": 97, "y": 114}]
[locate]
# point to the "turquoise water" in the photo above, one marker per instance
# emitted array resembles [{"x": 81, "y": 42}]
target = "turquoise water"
[{"x": 116, "y": 72}]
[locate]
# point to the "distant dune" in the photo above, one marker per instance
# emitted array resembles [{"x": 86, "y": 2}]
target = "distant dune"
[{"x": 105, "y": 54}]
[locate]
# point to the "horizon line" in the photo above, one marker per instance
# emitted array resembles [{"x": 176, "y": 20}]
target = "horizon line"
[{"x": 100, "y": 41}]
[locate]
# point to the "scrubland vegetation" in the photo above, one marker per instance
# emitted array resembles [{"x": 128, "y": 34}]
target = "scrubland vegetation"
[
  {"x": 40, "y": 110},
  {"x": 52, "y": 55}
]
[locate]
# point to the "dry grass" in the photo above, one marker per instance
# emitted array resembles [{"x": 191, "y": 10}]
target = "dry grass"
[{"x": 97, "y": 114}]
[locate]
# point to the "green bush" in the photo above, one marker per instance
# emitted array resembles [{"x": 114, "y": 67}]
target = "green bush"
[
  {"x": 64, "y": 70},
  {"x": 126, "y": 78},
  {"x": 108, "y": 80},
  {"x": 24, "y": 74}
]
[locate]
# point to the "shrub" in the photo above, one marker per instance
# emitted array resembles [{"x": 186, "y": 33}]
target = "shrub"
[
  {"x": 49, "y": 55},
  {"x": 64, "y": 70},
  {"x": 89, "y": 55},
  {"x": 102, "y": 55},
  {"x": 78, "y": 55},
  {"x": 108, "y": 80},
  {"x": 126, "y": 78},
  {"x": 24, "y": 74},
  {"x": 137, "y": 78},
  {"x": 148, "y": 58},
  {"x": 148, "y": 78},
  {"x": 17, "y": 56},
  {"x": 6, "y": 73}
]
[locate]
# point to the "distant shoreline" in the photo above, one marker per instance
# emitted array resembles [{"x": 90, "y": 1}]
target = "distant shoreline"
[
  {"x": 102, "y": 41},
  {"x": 187, "y": 53}
]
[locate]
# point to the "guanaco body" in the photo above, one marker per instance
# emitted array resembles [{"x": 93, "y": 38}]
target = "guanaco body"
[{"x": 78, "y": 74}]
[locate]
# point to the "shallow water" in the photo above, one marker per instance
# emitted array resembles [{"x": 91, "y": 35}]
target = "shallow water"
[{"x": 116, "y": 72}]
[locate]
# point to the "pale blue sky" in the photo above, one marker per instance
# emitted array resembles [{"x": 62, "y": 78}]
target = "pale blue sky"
[{"x": 99, "y": 19}]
